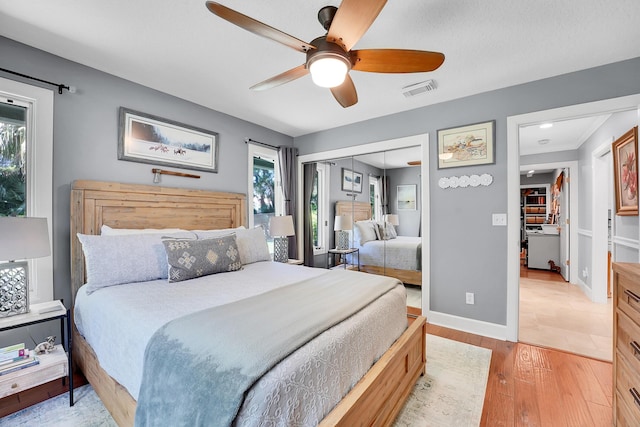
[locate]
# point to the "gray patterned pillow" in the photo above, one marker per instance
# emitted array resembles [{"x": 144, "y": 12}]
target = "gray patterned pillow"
[{"x": 195, "y": 258}]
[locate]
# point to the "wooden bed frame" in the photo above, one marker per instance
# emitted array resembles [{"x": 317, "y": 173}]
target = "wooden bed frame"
[
  {"x": 375, "y": 400},
  {"x": 361, "y": 211}
]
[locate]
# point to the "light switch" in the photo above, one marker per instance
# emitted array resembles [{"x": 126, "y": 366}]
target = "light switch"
[{"x": 499, "y": 219}]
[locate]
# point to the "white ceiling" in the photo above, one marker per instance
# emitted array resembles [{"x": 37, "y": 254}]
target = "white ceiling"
[
  {"x": 180, "y": 48},
  {"x": 563, "y": 135}
]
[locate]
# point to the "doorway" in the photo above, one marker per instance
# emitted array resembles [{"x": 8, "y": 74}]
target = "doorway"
[{"x": 514, "y": 123}]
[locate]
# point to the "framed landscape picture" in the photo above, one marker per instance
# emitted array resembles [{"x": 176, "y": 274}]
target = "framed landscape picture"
[
  {"x": 407, "y": 197},
  {"x": 149, "y": 139},
  {"x": 625, "y": 172},
  {"x": 468, "y": 145},
  {"x": 351, "y": 181}
]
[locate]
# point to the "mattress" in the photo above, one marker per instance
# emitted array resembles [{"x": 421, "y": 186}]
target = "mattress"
[
  {"x": 118, "y": 322},
  {"x": 400, "y": 253}
]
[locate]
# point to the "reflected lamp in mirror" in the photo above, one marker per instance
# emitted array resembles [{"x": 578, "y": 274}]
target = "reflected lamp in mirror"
[
  {"x": 391, "y": 219},
  {"x": 21, "y": 238},
  {"x": 342, "y": 224},
  {"x": 280, "y": 228}
]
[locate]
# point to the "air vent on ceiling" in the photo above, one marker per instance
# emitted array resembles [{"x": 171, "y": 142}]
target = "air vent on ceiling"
[{"x": 418, "y": 88}]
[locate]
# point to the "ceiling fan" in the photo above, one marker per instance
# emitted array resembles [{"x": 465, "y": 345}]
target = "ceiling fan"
[{"x": 329, "y": 57}]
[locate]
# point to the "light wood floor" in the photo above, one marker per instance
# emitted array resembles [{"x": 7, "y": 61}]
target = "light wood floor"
[
  {"x": 535, "y": 386},
  {"x": 557, "y": 314}
]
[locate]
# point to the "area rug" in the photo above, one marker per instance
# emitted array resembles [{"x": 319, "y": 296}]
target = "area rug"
[{"x": 450, "y": 394}]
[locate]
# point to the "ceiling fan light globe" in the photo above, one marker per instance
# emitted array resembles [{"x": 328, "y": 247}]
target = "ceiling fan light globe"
[{"x": 328, "y": 71}]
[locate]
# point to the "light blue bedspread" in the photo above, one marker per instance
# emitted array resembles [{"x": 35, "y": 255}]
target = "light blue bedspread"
[{"x": 198, "y": 368}]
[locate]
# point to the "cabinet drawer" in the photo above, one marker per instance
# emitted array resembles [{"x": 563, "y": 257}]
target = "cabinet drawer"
[
  {"x": 52, "y": 366},
  {"x": 628, "y": 342},
  {"x": 628, "y": 296},
  {"x": 624, "y": 416},
  {"x": 628, "y": 387}
]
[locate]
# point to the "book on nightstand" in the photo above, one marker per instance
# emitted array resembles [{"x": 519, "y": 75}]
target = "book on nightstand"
[
  {"x": 12, "y": 351},
  {"x": 19, "y": 364}
]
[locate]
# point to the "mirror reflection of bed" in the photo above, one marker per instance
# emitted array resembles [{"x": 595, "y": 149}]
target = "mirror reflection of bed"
[{"x": 382, "y": 173}]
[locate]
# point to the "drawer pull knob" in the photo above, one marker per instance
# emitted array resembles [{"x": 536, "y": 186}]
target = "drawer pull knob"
[
  {"x": 635, "y": 394},
  {"x": 636, "y": 349},
  {"x": 632, "y": 295},
  {"x": 14, "y": 385}
]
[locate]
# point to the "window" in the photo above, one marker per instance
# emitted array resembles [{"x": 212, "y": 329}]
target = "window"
[
  {"x": 264, "y": 185},
  {"x": 26, "y": 167},
  {"x": 320, "y": 209},
  {"x": 374, "y": 198}
]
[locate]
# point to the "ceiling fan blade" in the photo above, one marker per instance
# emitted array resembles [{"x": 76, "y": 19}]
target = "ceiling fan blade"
[
  {"x": 257, "y": 27},
  {"x": 352, "y": 20},
  {"x": 345, "y": 94},
  {"x": 286, "y": 77},
  {"x": 395, "y": 60}
]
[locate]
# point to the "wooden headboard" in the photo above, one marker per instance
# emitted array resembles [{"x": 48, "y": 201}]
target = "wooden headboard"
[
  {"x": 358, "y": 210},
  {"x": 95, "y": 203}
]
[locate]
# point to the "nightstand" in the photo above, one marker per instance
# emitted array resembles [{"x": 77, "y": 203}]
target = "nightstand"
[
  {"x": 343, "y": 253},
  {"x": 56, "y": 364},
  {"x": 295, "y": 261}
]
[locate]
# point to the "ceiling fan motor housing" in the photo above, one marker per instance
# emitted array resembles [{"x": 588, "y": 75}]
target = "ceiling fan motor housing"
[{"x": 325, "y": 49}]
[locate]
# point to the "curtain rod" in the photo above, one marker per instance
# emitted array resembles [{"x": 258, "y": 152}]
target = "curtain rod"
[
  {"x": 253, "y": 141},
  {"x": 60, "y": 86}
]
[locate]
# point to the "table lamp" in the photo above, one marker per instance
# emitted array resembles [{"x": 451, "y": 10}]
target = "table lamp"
[
  {"x": 391, "y": 219},
  {"x": 342, "y": 224},
  {"x": 280, "y": 228},
  {"x": 21, "y": 238}
]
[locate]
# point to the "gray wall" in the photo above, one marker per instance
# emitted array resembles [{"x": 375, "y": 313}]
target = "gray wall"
[
  {"x": 86, "y": 136},
  {"x": 467, "y": 253},
  {"x": 538, "y": 178},
  {"x": 625, "y": 227}
]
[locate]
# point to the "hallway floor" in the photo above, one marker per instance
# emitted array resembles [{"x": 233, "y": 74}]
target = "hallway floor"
[{"x": 556, "y": 314}]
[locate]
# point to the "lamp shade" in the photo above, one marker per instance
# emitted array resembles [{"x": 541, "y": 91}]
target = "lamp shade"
[
  {"x": 23, "y": 238},
  {"x": 392, "y": 219},
  {"x": 342, "y": 223},
  {"x": 281, "y": 226}
]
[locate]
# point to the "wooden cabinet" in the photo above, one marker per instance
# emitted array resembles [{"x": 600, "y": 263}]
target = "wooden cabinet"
[
  {"x": 626, "y": 341},
  {"x": 57, "y": 364}
]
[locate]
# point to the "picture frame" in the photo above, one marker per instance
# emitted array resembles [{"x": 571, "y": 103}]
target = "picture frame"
[
  {"x": 145, "y": 138},
  {"x": 468, "y": 145},
  {"x": 406, "y": 197},
  {"x": 351, "y": 181},
  {"x": 625, "y": 172}
]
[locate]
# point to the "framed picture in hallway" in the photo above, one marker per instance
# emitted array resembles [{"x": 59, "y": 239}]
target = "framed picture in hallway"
[{"x": 625, "y": 172}]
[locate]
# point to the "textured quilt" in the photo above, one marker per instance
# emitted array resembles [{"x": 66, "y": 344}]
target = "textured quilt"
[{"x": 198, "y": 368}]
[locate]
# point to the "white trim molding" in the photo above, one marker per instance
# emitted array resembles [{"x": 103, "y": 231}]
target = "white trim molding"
[
  {"x": 626, "y": 242},
  {"x": 477, "y": 327}
]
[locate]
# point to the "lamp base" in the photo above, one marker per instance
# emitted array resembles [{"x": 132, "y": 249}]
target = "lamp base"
[
  {"x": 343, "y": 240},
  {"x": 14, "y": 289},
  {"x": 281, "y": 249}
]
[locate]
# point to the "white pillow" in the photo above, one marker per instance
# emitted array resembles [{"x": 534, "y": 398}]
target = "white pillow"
[
  {"x": 114, "y": 260},
  {"x": 367, "y": 231},
  {"x": 209, "y": 234},
  {"x": 252, "y": 245},
  {"x": 390, "y": 230},
  {"x": 105, "y": 230}
]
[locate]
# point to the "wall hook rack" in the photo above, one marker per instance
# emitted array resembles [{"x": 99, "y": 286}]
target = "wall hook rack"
[{"x": 157, "y": 172}]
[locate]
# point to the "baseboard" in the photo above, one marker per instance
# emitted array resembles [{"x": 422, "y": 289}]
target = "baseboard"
[
  {"x": 477, "y": 327},
  {"x": 585, "y": 289}
]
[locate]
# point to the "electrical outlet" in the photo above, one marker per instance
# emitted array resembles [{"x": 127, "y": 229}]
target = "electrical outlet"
[
  {"x": 499, "y": 219},
  {"x": 470, "y": 298}
]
